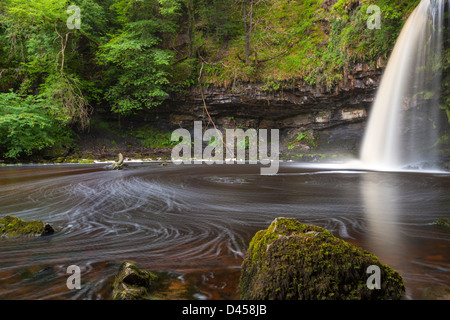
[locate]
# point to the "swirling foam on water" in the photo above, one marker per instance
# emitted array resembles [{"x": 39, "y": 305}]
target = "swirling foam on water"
[{"x": 194, "y": 218}]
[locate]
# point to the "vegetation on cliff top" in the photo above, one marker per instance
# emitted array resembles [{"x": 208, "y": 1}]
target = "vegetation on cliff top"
[{"x": 311, "y": 41}]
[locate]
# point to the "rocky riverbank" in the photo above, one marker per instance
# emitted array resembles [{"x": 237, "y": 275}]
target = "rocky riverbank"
[{"x": 314, "y": 122}]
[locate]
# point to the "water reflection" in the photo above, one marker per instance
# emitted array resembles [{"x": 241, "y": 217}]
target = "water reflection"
[
  {"x": 382, "y": 208},
  {"x": 399, "y": 211}
]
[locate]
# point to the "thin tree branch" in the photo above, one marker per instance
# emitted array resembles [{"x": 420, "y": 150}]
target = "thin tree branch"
[
  {"x": 63, "y": 47},
  {"x": 207, "y": 112}
]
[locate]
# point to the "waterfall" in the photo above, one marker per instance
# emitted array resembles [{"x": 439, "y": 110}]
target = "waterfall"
[{"x": 404, "y": 122}]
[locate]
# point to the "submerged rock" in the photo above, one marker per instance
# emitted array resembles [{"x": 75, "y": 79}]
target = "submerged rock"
[
  {"x": 437, "y": 293},
  {"x": 132, "y": 283},
  {"x": 11, "y": 226},
  {"x": 291, "y": 260}
]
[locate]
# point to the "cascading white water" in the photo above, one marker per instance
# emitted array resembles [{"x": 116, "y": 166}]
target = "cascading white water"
[{"x": 404, "y": 121}]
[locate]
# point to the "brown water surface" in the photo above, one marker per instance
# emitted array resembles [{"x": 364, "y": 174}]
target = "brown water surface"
[{"x": 194, "y": 223}]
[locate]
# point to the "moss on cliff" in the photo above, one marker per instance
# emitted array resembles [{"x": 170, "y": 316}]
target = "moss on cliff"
[
  {"x": 291, "y": 260},
  {"x": 315, "y": 42}
]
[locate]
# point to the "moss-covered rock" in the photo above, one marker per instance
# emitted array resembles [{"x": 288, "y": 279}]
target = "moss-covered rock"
[
  {"x": 11, "y": 226},
  {"x": 291, "y": 260},
  {"x": 132, "y": 283},
  {"x": 443, "y": 222}
]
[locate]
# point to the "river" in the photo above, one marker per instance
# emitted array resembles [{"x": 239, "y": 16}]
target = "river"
[{"x": 194, "y": 223}]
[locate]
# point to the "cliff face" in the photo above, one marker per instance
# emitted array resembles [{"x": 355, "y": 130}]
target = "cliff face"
[{"x": 310, "y": 119}]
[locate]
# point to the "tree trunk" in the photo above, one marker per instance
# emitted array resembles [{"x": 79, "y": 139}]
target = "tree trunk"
[
  {"x": 191, "y": 26},
  {"x": 248, "y": 26},
  {"x": 247, "y": 49}
]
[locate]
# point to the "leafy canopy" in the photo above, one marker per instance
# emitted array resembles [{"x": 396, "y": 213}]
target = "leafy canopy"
[{"x": 26, "y": 125}]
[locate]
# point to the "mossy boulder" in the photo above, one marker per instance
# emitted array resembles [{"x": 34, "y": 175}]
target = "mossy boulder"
[
  {"x": 291, "y": 260},
  {"x": 11, "y": 227},
  {"x": 133, "y": 283},
  {"x": 443, "y": 222}
]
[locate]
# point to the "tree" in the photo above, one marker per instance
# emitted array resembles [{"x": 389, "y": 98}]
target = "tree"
[
  {"x": 38, "y": 40},
  {"x": 138, "y": 64},
  {"x": 247, "y": 17},
  {"x": 27, "y": 124}
]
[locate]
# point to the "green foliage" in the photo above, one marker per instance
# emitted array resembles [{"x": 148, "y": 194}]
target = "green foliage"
[
  {"x": 141, "y": 72},
  {"x": 139, "y": 68},
  {"x": 63, "y": 91},
  {"x": 305, "y": 41},
  {"x": 133, "y": 55},
  {"x": 218, "y": 20},
  {"x": 141, "y": 56},
  {"x": 445, "y": 84},
  {"x": 96, "y": 18},
  {"x": 26, "y": 125},
  {"x": 302, "y": 136},
  {"x": 33, "y": 12},
  {"x": 215, "y": 143},
  {"x": 443, "y": 222},
  {"x": 37, "y": 58},
  {"x": 150, "y": 137},
  {"x": 243, "y": 144}
]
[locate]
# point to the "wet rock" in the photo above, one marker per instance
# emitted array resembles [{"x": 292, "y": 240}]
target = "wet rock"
[
  {"x": 117, "y": 165},
  {"x": 291, "y": 260},
  {"x": 11, "y": 226},
  {"x": 443, "y": 222},
  {"x": 132, "y": 283}
]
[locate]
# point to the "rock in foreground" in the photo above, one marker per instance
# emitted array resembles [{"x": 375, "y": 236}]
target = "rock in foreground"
[
  {"x": 443, "y": 222},
  {"x": 291, "y": 260},
  {"x": 11, "y": 227},
  {"x": 132, "y": 283}
]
